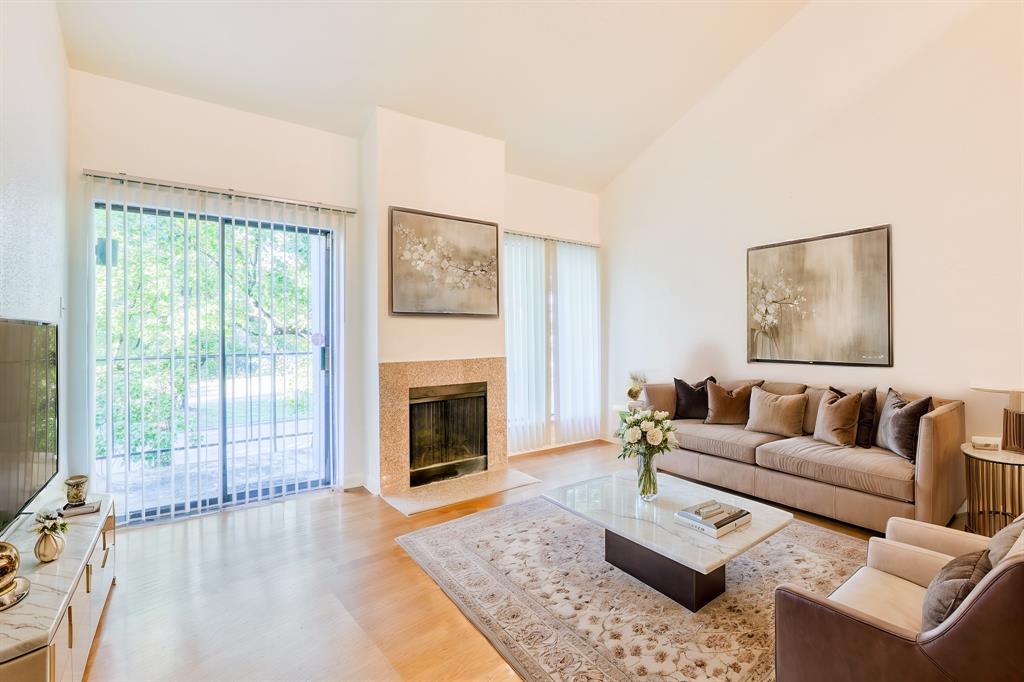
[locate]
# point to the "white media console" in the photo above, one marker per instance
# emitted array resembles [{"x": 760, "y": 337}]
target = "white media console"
[{"x": 47, "y": 637}]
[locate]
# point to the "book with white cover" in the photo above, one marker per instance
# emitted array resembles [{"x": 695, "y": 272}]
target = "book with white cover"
[
  {"x": 714, "y": 531},
  {"x": 713, "y": 518},
  {"x": 986, "y": 442},
  {"x": 704, "y": 510}
]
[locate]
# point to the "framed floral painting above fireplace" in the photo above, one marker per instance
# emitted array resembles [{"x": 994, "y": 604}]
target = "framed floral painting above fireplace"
[
  {"x": 824, "y": 300},
  {"x": 442, "y": 264}
]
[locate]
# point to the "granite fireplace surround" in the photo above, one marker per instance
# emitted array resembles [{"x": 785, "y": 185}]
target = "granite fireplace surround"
[{"x": 396, "y": 378}]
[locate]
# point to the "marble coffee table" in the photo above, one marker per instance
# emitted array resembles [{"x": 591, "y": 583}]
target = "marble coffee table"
[{"x": 644, "y": 539}]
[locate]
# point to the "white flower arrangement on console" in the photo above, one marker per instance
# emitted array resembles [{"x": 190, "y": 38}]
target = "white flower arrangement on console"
[{"x": 644, "y": 434}]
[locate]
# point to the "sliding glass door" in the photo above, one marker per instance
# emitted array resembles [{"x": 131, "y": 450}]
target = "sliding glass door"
[{"x": 212, "y": 380}]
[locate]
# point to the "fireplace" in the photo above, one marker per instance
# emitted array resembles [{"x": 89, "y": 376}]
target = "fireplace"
[{"x": 447, "y": 431}]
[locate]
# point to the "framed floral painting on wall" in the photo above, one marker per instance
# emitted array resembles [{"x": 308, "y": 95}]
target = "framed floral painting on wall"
[
  {"x": 824, "y": 300},
  {"x": 442, "y": 265}
]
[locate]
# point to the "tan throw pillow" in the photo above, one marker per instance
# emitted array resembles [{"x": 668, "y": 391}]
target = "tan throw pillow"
[
  {"x": 782, "y": 415},
  {"x": 815, "y": 394},
  {"x": 837, "y": 418},
  {"x": 729, "y": 407},
  {"x": 1003, "y": 541},
  {"x": 951, "y": 585}
]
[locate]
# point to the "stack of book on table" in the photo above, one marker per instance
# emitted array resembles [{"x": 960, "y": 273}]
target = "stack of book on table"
[{"x": 713, "y": 518}]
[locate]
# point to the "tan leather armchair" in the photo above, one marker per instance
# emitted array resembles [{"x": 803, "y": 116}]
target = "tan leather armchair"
[{"x": 869, "y": 629}]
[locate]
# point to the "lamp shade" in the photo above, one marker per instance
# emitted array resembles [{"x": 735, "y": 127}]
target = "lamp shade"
[{"x": 1015, "y": 391}]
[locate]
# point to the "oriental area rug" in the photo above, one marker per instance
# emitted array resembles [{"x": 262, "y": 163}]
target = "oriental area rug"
[{"x": 532, "y": 578}]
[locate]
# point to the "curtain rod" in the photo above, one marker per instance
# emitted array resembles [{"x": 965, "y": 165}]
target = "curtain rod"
[
  {"x": 519, "y": 233},
  {"x": 124, "y": 177}
]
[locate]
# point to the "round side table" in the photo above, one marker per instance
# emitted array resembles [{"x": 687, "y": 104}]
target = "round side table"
[{"x": 995, "y": 488}]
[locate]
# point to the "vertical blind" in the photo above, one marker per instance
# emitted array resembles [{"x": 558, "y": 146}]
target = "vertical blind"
[
  {"x": 577, "y": 322},
  {"x": 526, "y": 332},
  {"x": 552, "y": 341},
  {"x": 212, "y": 314}
]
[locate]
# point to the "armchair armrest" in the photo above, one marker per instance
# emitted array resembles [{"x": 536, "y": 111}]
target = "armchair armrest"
[
  {"x": 940, "y": 483},
  {"x": 915, "y": 564},
  {"x": 936, "y": 538},
  {"x": 817, "y": 639}
]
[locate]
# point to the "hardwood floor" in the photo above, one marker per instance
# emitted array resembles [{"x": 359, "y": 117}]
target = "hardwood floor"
[{"x": 311, "y": 588}]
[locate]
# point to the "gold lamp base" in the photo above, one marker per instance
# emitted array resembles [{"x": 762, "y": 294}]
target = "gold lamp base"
[{"x": 1013, "y": 430}]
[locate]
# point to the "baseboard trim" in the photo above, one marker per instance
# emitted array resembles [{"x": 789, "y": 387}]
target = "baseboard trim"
[{"x": 552, "y": 449}]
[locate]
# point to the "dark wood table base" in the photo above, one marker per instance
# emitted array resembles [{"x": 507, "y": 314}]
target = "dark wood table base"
[{"x": 690, "y": 588}]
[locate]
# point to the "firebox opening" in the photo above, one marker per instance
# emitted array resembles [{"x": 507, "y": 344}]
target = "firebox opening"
[{"x": 447, "y": 431}]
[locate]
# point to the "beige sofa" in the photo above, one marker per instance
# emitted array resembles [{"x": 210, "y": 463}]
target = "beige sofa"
[{"x": 862, "y": 486}]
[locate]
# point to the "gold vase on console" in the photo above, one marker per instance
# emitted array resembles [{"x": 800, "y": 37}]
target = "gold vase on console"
[
  {"x": 49, "y": 547},
  {"x": 13, "y": 587}
]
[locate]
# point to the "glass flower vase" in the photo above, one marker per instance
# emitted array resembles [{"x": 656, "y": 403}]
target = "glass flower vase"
[{"x": 646, "y": 477}]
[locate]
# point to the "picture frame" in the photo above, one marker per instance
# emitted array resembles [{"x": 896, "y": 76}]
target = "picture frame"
[
  {"x": 824, "y": 300},
  {"x": 441, "y": 264}
]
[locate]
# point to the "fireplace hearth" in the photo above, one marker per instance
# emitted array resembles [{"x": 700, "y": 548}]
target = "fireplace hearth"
[{"x": 447, "y": 431}]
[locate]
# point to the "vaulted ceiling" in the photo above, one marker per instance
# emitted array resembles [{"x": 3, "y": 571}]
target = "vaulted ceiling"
[{"x": 576, "y": 90}]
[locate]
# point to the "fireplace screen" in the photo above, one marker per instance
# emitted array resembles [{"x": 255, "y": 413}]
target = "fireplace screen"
[{"x": 447, "y": 431}]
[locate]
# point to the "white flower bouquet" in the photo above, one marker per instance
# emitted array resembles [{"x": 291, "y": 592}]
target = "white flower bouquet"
[{"x": 644, "y": 434}]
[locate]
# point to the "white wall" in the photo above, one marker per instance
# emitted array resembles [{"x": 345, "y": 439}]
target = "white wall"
[
  {"x": 400, "y": 160},
  {"x": 547, "y": 210},
  {"x": 122, "y": 127},
  {"x": 852, "y": 115},
  {"x": 437, "y": 168},
  {"x": 33, "y": 173}
]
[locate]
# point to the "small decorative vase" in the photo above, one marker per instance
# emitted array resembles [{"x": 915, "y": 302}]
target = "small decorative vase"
[
  {"x": 49, "y": 546},
  {"x": 646, "y": 477},
  {"x": 75, "y": 488},
  {"x": 10, "y": 560}
]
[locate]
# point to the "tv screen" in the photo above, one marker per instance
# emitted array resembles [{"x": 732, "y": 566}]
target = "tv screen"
[{"x": 28, "y": 413}]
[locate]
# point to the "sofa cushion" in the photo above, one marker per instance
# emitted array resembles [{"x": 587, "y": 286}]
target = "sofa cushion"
[
  {"x": 814, "y": 396},
  {"x": 866, "y": 418},
  {"x": 661, "y": 397},
  {"x": 783, "y": 387},
  {"x": 837, "y": 419},
  {"x": 731, "y": 441},
  {"x": 871, "y": 470},
  {"x": 884, "y": 596},
  {"x": 729, "y": 406},
  {"x": 692, "y": 399},
  {"x": 782, "y": 415},
  {"x": 899, "y": 423},
  {"x": 739, "y": 383},
  {"x": 951, "y": 585},
  {"x": 1002, "y": 542}
]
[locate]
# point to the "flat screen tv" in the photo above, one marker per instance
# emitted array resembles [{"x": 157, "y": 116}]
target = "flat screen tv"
[{"x": 28, "y": 413}]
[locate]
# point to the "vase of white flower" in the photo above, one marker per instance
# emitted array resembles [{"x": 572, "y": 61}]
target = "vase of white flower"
[
  {"x": 645, "y": 434},
  {"x": 646, "y": 477},
  {"x": 51, "y": 529}
]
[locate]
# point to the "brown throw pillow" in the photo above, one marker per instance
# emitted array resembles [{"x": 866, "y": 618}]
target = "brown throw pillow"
[
  {"x": 866, "y": 420},
  {"x": 782, "y": 415},
  {"x": 899, "y": 422},
  {"x": 729, "y": 407},
  {"x": 951, "y": 585},
  {"x": 692, "y": 401},
  {"x": 837, "y": 419},
  {"x": 1002, "y": 542}
]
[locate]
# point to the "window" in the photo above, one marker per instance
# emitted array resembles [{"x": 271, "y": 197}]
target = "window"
[
  {"x": 552, "y": 341},
  {"x": 212, "y": 385}
]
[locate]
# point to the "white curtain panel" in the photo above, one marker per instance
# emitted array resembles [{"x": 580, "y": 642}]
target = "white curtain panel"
[
  {"x": 210, "y": 316},
  {"x": 577, "y": 340},
  {"x": 526, "y": 342}
]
